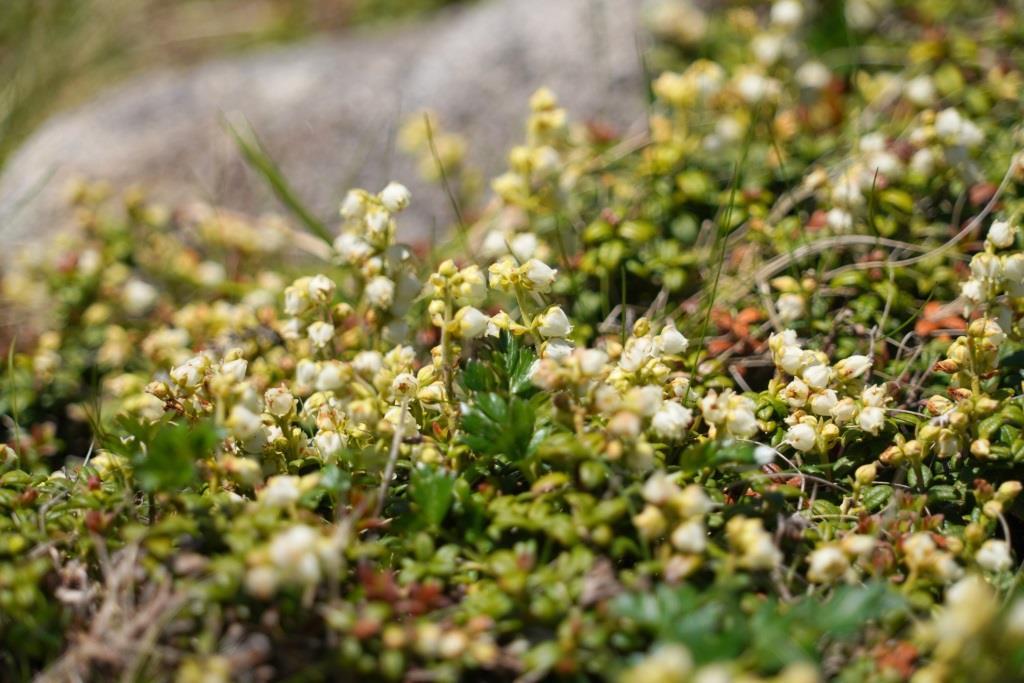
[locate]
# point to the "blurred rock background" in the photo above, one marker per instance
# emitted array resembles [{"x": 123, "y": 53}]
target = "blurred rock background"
[
  {"x": 137, "y": 91},
  {"x": 58, "y": 53}
]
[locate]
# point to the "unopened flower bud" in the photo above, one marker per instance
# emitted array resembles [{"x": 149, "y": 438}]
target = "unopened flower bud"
[
  {"x": 539, "y": 274},
  {"x": 938, "y": 404},
  {"x": 1008, "y": 490},
  {"x": 395, "y": 197},
  {"x": 690, "y": 537},
  {"x": 985, "y": 405},
  {"x": 650, "y": 522},
  {"x": 866, "y": 474},
  {"x": 994, "y": 556},
  {"x": 802, "y": 437},
  {"x": 1002, "y": 234},
  {"x": 992, "y": 509},
  {"x": 892, "y": 456},
  {"x": 470, "y": 323},
  {"x": 554, "y": 323},
  {"x": 852, "y": 367},
  {"x": 625, "y": 424}
]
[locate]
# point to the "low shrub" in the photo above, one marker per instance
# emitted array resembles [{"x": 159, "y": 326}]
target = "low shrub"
[{"x": 735, "y": 398}]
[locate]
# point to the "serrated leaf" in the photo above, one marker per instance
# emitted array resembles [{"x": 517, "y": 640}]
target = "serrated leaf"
[
  {"x": 518, "y": 359},
  {"x": 432, "y": 490},
  {"x": 494, "y": 426},
  {"x": 168, "y": 461},
  {"x": 477, "y": 376}
]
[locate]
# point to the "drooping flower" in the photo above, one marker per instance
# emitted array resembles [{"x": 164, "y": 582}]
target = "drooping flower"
[
  {"x": 554, "y": 323},
  {"x": 395, "y": 197}
]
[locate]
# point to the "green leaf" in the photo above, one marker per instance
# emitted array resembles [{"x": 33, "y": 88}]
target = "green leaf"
[
  {"x": 716, "y": 625},
  {"x": 494, "y": 426},
  {"x": 1011, "y": 370},
  {"x": 432, "y": 490},
  {"x": 168, "y": 461},
  {"x": 944, "y": 493},
  {"x": 477, "y": 376},
  {"x": 335, "y": 479},
  {"x": 919, "y": 477},
  {"x": 876, "y": 496},
  {"x": 716, "y": 453},
  {"x": 518, "y": 358},
  {"x": 826, "y": 508},
  {"x": 850, "y": 607}
]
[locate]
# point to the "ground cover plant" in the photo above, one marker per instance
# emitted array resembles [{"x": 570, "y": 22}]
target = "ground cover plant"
[{"x": 738, "y": 398}]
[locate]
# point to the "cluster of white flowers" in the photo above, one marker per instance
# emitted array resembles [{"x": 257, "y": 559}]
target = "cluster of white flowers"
[
  {"x": 996, "y": 273},
  {"x": 296, "y": 556},
  {"x": 679, "y": 515},
  {"x": 872, "y": 164},
  {"x": 968, "y": 612},
  {"x": 729, "y": 414},
  {"x": 831, "y": 562},
  {"x": 953, "y": 129},
  {"x": 824, "y": 397},
  {"x": 975, "y": 353},
  {"x": 345, "y": 400},
  {"x": 631, "y": 385},
  {"x": 466, "y": 287},
  {"x": 753, "y": 544},
  {"x": 924, "y": 558},
  {"x": 355, "y": 398},
  {"x": 533, "y": 276},
  {"x": 937, "y": 132},
  {"x": 777, "y": 41},
  {"x": 309, "y": 301},
  {"x": 878, "y": 159},
  {"x": 367, "y": 242},
  {"x": 370, "y": 220},
  {"x": 875, "y": 162},
  {"x": 936, "y": 140},
  {"x": 701, "y": 80},
  {"x": 190, "y": 374}
]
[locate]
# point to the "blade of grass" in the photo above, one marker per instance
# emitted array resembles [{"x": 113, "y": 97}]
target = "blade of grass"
[
  {"x": 714, "y": 285},
  {"x": 648, "y": 77},
  {"x": 14, "y": 397},
  {"x": 262, "y": 163},
  {"x": 623, "y": 314},
  {"x": 913, "y": 318},
  {"x": 446, "y": 184},
  {"x": 720, "y": 239}
]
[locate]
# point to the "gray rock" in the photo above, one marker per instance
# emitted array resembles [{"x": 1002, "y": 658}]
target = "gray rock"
[{"x": 327, "y": 111}]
